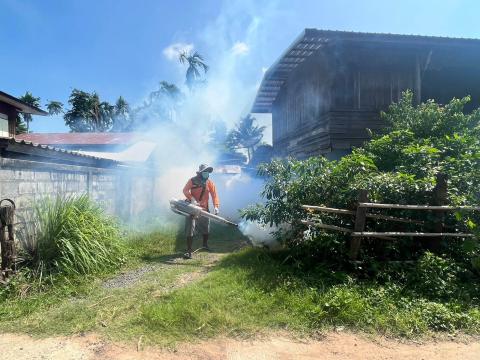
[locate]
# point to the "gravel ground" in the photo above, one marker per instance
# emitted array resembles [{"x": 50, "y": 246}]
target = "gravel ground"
[{"x": 129, "y": 278}]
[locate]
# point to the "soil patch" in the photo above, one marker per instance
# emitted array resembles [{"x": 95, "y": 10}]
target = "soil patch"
[{"x": 336, "y": 346}]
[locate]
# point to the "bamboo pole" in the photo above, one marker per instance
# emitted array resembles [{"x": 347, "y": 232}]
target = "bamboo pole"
[
  {"x": 394, "y": 218},
  {"x": 328, "y": 209},
  {"x": 368, "y": 215},
  {"x": 326, "y": 226},
  {"x": 416, "y": 234},
  {"x": 337, "y": 228},
  {"x": 415, "y": 207}
]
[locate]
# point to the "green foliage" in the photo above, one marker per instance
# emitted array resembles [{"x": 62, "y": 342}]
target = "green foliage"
[
  {"x": 73, "y": 237},
  {"x": 162, "y": 105},
  {"x": 20, "y": 126},
  {"x": 121, "y": 118},
  {"x": 55, "y": 107},
  {"x": 262, "y": 154},
  {"x": 435, "y": 277},
  {"x": 88, "y": 113},
  {"x": 245, "y": 135},
  {"x": 195, "y": 64},
  {"x": 398, "y": 166},
  {"x": 25, "y": 118}
]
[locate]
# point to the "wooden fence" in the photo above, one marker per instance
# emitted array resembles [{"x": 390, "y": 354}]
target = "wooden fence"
[{"x": 361, "y": 214}]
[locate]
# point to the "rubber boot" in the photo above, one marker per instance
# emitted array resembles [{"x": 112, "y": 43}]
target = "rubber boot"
[
  {"x": 205, "y": 242},
  {"x": 188, "y": 254}
]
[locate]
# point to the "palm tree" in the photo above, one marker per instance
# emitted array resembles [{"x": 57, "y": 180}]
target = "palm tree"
[
  {"x": 171, "y": 90},
  {"x": 55, "y": 107},
  {"x": 195, "y": 63},
  {"x": 121, "y": 119},
  {"x": 88, "y": 113},
  {"x": 31, "y": 100},
  {"x": 245, "y": 135}
]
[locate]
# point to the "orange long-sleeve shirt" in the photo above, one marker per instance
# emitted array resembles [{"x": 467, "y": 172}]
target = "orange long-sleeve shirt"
[{"x": 193, "y": 188}]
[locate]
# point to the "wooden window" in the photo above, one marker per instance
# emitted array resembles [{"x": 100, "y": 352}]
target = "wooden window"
[{"x": 4, "y": 125}]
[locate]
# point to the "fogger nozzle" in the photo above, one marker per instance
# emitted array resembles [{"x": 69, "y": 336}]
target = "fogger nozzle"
[{"x": 184, "y": 208}]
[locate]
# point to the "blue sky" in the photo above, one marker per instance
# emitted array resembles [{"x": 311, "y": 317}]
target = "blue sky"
[{"x": 120, "y": 47}]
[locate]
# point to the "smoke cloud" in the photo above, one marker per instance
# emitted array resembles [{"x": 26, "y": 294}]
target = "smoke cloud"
[
  {"x": 260, "y": 235},
  {"x": 173, "y": 51},
  {"x": 227, "y": 94}
]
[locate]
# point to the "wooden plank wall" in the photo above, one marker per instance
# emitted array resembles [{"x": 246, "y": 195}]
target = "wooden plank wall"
[
  {"x": 327, "y": 105},
  {"x": 12, "y": 116}
]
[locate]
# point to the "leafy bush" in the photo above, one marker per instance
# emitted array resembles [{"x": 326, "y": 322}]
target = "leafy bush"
[
  {"x": 73, "y": 236},
  {"x": 435, "y": 277},
  {"x": 398, "y": 166}
]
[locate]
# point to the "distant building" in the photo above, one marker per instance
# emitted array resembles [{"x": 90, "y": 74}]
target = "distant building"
[
  {"x": 10, "y": 107},
  {"x": 113, "y": 169},
  {"x": 14, "y": 146},
  {"x": 329, "y": 87}
]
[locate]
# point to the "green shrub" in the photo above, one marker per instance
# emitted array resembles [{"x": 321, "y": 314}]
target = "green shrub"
[
  {"x": 73, "y": 236},
  {"x": 398, "y": 166},
  {"x": 435, "y": 277}
]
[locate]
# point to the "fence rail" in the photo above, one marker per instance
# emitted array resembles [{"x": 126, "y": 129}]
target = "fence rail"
[
  {"x": 360, "y": 214},
  {"x": 416, "y": 207}
]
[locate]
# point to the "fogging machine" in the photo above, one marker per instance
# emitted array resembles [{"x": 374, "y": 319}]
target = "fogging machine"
[{"x": 183, "y": 207}]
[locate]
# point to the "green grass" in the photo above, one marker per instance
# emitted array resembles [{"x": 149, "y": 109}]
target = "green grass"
[
  {"x": 77, "y": 304},
  {"x": 72, "y": 236},
  {"x": 251, "y": 291},
  {"x": 247, "y": 292}
]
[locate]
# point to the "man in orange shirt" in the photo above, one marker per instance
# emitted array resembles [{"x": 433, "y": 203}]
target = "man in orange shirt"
[{"x": 198, "y": 190}]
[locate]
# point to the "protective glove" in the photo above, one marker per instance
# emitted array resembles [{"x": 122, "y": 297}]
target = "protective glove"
[
  {"x": 216, "y": 211},
  {"x": 193, "y": 201}
]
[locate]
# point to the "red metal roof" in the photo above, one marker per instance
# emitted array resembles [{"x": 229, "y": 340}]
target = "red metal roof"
[{"x": 80, "y": 138}]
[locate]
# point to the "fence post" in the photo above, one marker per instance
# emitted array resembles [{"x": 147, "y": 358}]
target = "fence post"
[
  {"x": 360, "y": 217},
  {"x": 7, "y": 244},
  {"x": 439, "y": 198}
]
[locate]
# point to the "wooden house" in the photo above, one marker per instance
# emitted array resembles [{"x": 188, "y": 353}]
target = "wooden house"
[
  {"x": 329, "y": 87},
  {"x": 10, "y": 107}
]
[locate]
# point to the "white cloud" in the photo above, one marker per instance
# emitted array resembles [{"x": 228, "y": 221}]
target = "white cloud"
[
  {"x": 172, "y": 51},
  {"x": 240, "y": 48}
]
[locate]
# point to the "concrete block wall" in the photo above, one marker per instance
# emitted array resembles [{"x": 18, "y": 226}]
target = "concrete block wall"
[{"x": 26, "y": 181}]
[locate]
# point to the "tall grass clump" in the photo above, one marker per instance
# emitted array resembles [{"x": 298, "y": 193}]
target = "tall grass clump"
[{"x": 73, "y": 236}]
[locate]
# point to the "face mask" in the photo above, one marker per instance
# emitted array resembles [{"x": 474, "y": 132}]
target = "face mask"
[{"x": 205, "y": 175}]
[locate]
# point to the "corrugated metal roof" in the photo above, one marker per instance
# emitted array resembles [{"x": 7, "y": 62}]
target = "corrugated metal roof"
[
  {"x": 139, "y": 152},
  {"x": 21, "y": 106},
  {"x": 80, "y": 138},
  {"x": 312, "y": 40},
  {"x": 26, "y": 147}
]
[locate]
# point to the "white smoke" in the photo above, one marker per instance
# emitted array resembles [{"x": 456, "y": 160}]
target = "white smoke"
[
  {"x": 260, "y": 235},
  {"x": 173, "y": 51},
  {"x": 227, "y": 94},
  {"x": 240, "y": 48}
]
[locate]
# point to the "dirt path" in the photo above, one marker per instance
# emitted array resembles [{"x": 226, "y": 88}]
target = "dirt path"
[{"x": 333, "y": 346}]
